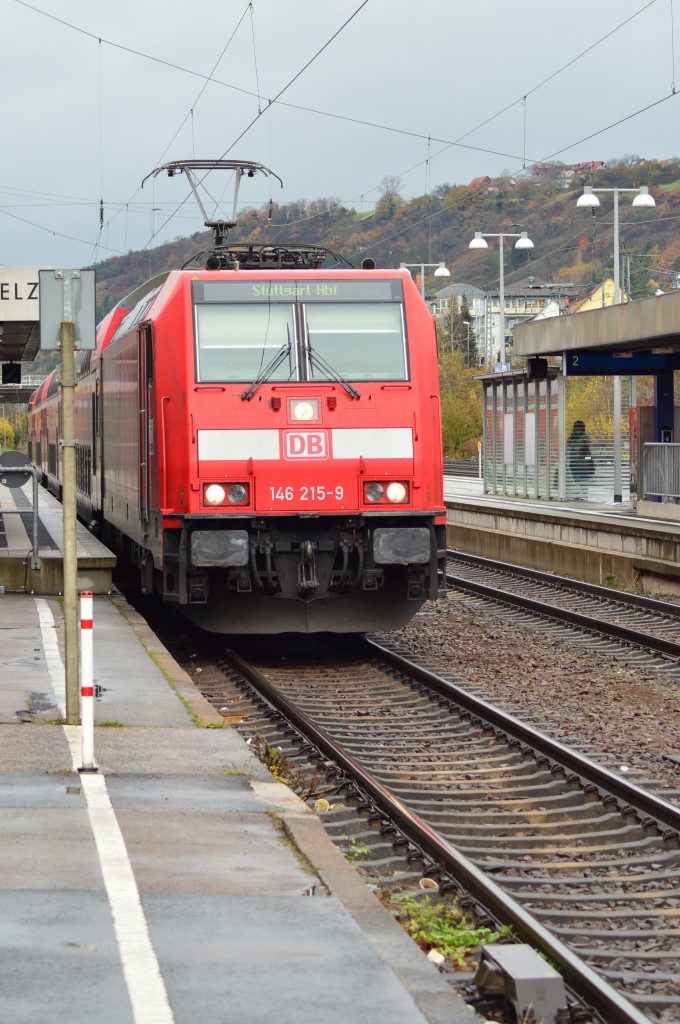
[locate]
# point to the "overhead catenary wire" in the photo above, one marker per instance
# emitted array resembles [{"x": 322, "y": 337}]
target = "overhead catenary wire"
[
  {"x": 447, "y": 143},
  {"x": 528, "y": 92},
  {"x": 208, "y": 80},
  {"x": 276, "y": 97},
  {"x": 672, "y": 49},
  {"x": 257, "y": 79}
]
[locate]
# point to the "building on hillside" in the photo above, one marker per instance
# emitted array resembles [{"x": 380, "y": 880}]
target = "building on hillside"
[
  {"x": 479, "y": 184},
  {"x": 524, "y": 300},
  {"x": 477, "y": 302},
  {"x": 565, "y": 177},
  {"x": 601, "y": 295},
  {"x": 588, "y": 167}
]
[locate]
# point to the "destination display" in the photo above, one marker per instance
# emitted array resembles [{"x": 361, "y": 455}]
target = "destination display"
[
  {"x": 296, "y": 290},
  {"x": 598, "y": 363}
]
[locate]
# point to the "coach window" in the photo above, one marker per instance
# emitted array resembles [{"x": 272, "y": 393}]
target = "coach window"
[
  {"x": 236, "y": 342},
  {"x": 360, "y": 341}
]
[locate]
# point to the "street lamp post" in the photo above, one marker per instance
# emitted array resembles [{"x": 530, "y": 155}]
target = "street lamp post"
[
  {"x": 523, "y": 242},
  {"x": 441, "y": 271},
  {"x": 642, "y": 198}
]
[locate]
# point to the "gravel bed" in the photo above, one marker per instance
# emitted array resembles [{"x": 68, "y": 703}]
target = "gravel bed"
[{"x": 624, "y": 715}]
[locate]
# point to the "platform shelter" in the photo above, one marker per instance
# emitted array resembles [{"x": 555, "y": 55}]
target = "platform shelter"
[
  {"x": 523, "y": 422},
  {"x": 632, "y": 339}
]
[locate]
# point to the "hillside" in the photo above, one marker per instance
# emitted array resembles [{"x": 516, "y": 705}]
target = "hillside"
[{"x": 570, "y": 245}]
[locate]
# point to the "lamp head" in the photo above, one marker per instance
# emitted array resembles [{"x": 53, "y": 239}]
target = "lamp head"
[
  {"x": 524, "y": 242},
  {"x": 588, "y": 199},
  {"x": 478, "y": 242},
  {"x": 442, "y": 271},
  {"x": 643, "y": 198}
]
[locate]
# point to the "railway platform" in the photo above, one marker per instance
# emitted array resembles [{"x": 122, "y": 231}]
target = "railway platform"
[
  {"x": 17, "y": 570},
  {"x": 596, "y": 541},
  {"x": 181, "y": 881}
]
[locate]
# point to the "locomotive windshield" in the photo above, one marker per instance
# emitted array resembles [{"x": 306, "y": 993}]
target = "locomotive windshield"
[
  {"x": 325, "y": 328},
  {"x": 235, "y": 342},
  {"x": 362, "y": 341}
]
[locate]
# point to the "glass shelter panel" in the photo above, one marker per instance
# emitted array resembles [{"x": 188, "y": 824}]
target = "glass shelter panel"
[
  {"x": 509, "y": 439},
  {"x": 520, "y": 440},
  {"x": 554, "y": 437},
  {"x": 530, "y": 452},
  {"x": 590, "y": 425},
  {"x": 542, "y": 439}
]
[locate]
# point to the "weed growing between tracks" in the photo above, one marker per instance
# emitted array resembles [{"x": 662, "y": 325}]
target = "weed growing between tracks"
[
  {"x": 436, "y": 923},
  {"x": 440, "y": 925},
  {"x": 298, "y": 777}
]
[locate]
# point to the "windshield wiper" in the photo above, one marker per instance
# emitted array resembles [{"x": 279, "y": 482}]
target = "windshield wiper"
[
  {"x": 316, "y": 360},
  {"x": 269, "y": 368}
]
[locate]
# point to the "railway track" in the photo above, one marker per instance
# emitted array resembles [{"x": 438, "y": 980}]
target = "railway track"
[
  {"x": 578, "y": 861},
  {"x": 581, "y": 864},
  {"x": 638, "y": 621}
]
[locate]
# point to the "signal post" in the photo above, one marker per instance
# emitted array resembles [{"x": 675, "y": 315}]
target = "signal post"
[{"x": 67, "y": 321}]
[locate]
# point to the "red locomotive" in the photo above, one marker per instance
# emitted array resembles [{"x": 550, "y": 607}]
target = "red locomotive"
[{"x": 264, "y": 441}]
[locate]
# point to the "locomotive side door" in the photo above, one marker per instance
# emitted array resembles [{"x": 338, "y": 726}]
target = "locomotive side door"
[{"x": 144, "y": 382}]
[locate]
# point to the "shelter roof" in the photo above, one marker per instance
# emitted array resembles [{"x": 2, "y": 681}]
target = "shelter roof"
[
  {"x": 640, "y": 325},
  {"x": 19, "y": 314},
  {"x": 19, "y": 341}
]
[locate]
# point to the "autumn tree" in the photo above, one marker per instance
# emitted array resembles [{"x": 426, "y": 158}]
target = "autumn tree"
[
  {"x": 6, "y": 434},
  {"x": 461, "y": 397},
  {"x": 390, "y": 196}
]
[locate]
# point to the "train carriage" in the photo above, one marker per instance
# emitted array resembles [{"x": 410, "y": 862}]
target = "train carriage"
[{"x": 266, "y": 445}]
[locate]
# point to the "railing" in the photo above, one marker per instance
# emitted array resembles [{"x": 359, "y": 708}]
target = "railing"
[
  {"x": 661, "y": 471},
  {"x": 20, "y": 393}
]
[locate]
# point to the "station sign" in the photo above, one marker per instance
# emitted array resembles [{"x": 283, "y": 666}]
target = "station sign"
[
  {"x": 602, "y": 364},
  {"x": 67, "y": 295},
  {"x": 19, "y": 294}
]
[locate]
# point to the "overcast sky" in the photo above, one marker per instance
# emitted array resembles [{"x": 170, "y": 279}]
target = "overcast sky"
[{"x": 84, "y": 117}]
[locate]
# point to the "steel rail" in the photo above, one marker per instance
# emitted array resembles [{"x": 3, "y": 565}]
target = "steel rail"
[
  {"x": 647, "y": 803},
  {"x": 585, "y": 983},
  {"x": 668, "y": 648},
  {"x": 652, "y": 604}
]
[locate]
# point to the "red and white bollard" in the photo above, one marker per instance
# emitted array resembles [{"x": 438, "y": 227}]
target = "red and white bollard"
[{"x": 87, "y": 682}]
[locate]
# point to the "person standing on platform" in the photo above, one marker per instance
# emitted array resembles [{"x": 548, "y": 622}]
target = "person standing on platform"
[{"x": 580, "y": 462}]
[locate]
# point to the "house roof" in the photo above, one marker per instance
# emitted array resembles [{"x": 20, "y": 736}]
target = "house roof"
[{"x": 479, "y": 182}]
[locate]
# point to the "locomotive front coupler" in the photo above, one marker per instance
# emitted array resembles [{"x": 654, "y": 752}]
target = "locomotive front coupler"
[{"x": 307, "y": 579}]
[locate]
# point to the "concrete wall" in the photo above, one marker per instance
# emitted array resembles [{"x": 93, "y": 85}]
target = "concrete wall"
[{"x": 605, "y": 551}]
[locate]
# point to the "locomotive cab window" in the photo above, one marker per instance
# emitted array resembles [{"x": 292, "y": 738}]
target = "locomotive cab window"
[
  {"x": 297, "y": 329},
  {"x": 236, "y": 342},
  {"x": 361, "y": 341}
]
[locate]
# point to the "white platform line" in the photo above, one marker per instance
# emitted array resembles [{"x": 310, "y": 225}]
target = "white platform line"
[
  {"x": 148, "y": 995},
  {"x": 50, "y": 644}
]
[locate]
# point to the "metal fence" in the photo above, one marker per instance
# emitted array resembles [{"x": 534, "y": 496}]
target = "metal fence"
[{"x": 661, "y": 465}]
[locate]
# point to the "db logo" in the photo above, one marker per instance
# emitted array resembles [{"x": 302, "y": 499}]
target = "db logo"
[{"x": 305, "y": 444}]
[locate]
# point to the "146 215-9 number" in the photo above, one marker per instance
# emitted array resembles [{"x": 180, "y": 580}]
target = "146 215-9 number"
[{"x": 312, "y": 492}]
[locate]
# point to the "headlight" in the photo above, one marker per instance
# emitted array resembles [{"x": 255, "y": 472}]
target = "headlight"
[
  {"x": 220, "y": 494},
  {"x": 304, "y": 410},
  {"x": 238, "y": 494},
  {"x": 396, "y": 492},
  {"x": 214, "y": 494}
]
